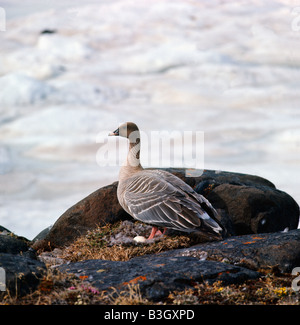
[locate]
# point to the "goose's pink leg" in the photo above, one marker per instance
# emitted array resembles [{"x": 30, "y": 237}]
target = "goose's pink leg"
[{"x": 156, "y": 231}]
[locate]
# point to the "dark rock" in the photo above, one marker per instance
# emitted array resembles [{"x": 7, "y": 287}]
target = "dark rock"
[
  {"x": 246, "y": 204},
  {"x": 279, "y": 250},
  {"x": 219, "y": 177},
  {"x": 18, "y": 260},
  {"x": 98, "y": 208},
  {"x": 12, "y": 244},
  {"x": 156, "y": 275},
  {"x": 22, "y": 273},
  {"x": 41, "y": 235},
  {"x": 254, "y": 209}
]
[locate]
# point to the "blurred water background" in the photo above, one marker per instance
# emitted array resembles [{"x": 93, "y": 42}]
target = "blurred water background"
[{"x": 70, "y": 70}]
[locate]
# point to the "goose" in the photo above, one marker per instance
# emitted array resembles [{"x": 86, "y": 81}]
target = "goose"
[{"x": 159, "y": 198}]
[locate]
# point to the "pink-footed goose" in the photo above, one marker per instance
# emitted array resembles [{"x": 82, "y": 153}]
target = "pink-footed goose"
[{"x": 159, "y": 198}]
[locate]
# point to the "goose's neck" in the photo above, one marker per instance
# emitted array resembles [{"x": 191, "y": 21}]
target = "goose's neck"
[
  {"x": 132, "y": 163},
  {"x": 133, "y": 156}
]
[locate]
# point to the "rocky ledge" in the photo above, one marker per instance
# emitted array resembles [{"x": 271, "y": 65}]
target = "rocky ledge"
[
  {"x": 261, "y": 223},
  {"x": 234, "y": 260}
]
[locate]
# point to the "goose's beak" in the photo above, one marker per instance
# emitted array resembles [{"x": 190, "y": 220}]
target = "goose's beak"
[{"x": 115, "y": 133}]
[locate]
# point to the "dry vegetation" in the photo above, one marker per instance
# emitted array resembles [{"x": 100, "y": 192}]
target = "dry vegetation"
[
  {"x": 65, "y": 289},
  {"x": 265, "y": 291},
  {"x": 97, "y": 244},
  {"x": 59, "y": 288}
]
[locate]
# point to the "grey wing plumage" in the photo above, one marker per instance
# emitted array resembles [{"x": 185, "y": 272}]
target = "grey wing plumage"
[
  {"x": 165, "y": 201},
  {"x": 179, "y": 183}
]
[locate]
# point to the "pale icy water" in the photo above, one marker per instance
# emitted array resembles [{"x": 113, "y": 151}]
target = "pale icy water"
[{"x": 227, "y": 68}]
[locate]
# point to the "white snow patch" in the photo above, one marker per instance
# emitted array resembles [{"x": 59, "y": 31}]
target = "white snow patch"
[{"x": 18, "y": 89}]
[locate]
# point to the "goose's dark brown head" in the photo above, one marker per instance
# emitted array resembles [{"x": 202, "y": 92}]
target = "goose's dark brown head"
[{"x": 127, "y": 130}]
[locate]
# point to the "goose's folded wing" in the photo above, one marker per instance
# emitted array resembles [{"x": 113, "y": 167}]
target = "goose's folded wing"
[
  {"x": 179, "y": 183},
  {"x": 153, "y": 200}
]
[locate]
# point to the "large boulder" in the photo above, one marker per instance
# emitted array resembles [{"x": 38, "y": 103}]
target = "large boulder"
[
  {"x": 98, "y": 208},
  {"x": 246, "y": 204},
  {"x": 252, "y": 209}
]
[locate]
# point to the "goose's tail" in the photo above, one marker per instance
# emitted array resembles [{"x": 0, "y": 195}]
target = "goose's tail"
[{"x": 211, "y": 229}]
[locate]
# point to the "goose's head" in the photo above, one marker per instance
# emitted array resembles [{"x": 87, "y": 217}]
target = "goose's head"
[
  {"x": 130, "y": 131},
  {"x": 127, "y": 130}
]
